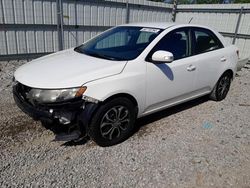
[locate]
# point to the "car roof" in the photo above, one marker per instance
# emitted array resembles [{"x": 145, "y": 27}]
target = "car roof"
[
  {"x": 163, "y": 25},
  {"x": 166, "y": 25},
  {"x": 160, "y": 25}
]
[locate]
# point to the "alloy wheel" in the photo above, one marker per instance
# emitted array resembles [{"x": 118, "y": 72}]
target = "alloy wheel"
[
  {"x": 223, "y": 86},
  {"x": 114, "y": 122}
]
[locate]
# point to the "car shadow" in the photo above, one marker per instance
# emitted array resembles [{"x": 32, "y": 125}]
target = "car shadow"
[
  {"x": 150, "y": 118},
  {"x": 166, "y": 70},
  {"x": 83, "y": 141},
  {"x": 169, "y": 111}
]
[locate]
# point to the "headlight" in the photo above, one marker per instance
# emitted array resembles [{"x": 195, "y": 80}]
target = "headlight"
[{"x": 59, "y": 95}]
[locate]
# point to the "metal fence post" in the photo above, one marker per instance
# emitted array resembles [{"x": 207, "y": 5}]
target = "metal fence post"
[
  {"x": 60, "y": 24},
  {"x": 174, "y": 10},
  {"x": 237, "y": 25},
  {"x": 127, "y": 12}
]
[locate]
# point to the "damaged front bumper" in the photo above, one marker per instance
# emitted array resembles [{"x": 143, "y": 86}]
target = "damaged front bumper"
[{"x": 76, "y": 111}]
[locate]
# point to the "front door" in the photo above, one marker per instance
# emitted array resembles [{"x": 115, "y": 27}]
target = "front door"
[{"x": 170, "y": 83}]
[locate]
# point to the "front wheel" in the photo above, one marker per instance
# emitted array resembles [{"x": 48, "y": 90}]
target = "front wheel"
[
  {"x": 113, "y": 122},
  {"x": 222, "y": 87}
]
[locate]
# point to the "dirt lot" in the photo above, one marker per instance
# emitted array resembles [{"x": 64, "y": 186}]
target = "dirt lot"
[{"x": 197, "y": 144}]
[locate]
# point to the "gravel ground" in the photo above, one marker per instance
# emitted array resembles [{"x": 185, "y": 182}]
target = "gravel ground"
[{"x": 197, "y": 144}]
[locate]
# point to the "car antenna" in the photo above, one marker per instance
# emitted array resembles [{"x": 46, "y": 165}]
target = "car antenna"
[{"x": 190, "y": 20}]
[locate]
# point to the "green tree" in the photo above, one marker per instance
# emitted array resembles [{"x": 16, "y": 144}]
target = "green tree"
[
  {"x": 183, "y": 2},
  {"x": 205, "y": 1},
  {"x": 208, "y": 1},
  {"x": 241, "y": 1},
  {"x": 157, "y": 0}
]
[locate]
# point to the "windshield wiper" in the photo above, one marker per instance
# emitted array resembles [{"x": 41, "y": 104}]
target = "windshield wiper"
[
  {"x": 101, "y": 56},
  {"x": 95, "y": 54},
  {"x": 78, "y": 49}
]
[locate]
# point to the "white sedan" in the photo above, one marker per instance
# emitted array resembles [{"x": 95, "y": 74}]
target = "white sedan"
[{"x": 99, "y": 88}]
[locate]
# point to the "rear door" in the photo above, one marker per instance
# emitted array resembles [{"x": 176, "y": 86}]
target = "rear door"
[{"x": 207, "y": 58}]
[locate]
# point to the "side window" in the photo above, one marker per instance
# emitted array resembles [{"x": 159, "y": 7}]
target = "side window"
[
  {"x": 204, "y": 41},
  {"x": 175, "y": 42}
]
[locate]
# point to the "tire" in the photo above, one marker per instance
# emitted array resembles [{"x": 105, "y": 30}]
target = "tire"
[
  {"x": 221, "y": 88},
  {"x": 113, "y": 122}
]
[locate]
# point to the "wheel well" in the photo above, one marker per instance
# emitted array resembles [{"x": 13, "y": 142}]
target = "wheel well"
[
  {"x": 230, "y": 72},
  {"x": 125, "y": 95}
]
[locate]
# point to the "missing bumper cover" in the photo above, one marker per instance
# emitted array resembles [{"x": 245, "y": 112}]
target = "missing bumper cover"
[{"x": 77, "y": 112}]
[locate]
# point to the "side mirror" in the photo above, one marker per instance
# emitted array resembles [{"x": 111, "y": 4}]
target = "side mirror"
[{"x": 162, "y": 57}]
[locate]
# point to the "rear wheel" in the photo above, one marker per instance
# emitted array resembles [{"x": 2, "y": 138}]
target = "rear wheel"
[
  {"x": 113, "y": 122},
  {"x": 222, "y": 87}
]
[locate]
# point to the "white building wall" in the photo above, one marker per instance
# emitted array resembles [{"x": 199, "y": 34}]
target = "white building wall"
[{"x": 36, "y": 31}]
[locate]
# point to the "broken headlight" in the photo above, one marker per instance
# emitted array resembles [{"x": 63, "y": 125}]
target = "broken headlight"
[{"x": 57, "y": 95}]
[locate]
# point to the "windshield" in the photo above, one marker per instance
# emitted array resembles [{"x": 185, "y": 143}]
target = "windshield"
[{"x": 119, "y": 43}]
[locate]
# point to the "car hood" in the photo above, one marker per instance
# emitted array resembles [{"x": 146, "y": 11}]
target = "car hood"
[{"x": 66, "y": 69}]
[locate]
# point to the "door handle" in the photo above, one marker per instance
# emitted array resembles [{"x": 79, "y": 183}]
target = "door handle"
[
  {"x": 223, "y": 59},
  {"x": 191, "y": 68}
]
